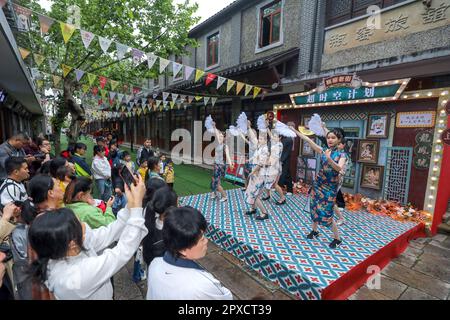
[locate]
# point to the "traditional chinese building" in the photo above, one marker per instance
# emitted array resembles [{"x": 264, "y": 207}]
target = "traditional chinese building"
[
  {"x": 20, "y": 108},
  {"x": 384, "y": 78}
]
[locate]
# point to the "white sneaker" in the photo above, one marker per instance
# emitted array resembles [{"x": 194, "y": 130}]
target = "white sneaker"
[
  {"x": 289, "y": 194},
  {"x": 340, "y": 222},
  {"x": 214, "y": 196},
  {"x": 224, "y": 199}
]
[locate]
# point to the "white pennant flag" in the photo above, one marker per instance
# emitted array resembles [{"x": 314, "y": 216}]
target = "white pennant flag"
[
  {"x": 206, "y": 100},
  {"x": 213, "y": 101},
  {"x": 183, "y": 97},
  {"x": 87, "y": 38},
  {"x": 104, "y": 44},
  {"x": 53, "y": 65},
  {"x": 120, "y": 96},
  {"x": 165, "y": 103},
  {"x": 158, "y": 103},
  {"x": 176, "y": 67},
  {"x": 121, "y": 50},
  {"x": 188, "y": 72},
  {"x": 129, "y": 97},
  {"x": 174, "y": 96},
  {"x": 163, "y": 63},
  {"x": 165, "y": 96},
  {"x": 79, "y": 74},
  {"x": 220, "y": 82},
  {"x": 155, "y": 95},
  {"x": 112, "y": 94},
  {"x": 151, "y": 60},
  {"x": 132, "y": 104}
]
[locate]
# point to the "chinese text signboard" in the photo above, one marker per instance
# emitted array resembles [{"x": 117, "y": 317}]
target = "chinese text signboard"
[
  {"x": 423, "y": 149},
  {"x": 422, "y": 119},
  {"x": 338, "y": 94}
]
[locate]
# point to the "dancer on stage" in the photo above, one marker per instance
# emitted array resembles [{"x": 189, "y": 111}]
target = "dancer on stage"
[
  {"x": 325, "y": 187},
  {"x": 273, "y": 171},
  {"x": 219, "y": 164},
  {"x": 257, "y": 179},
  {"x": 252, "y": 146}
]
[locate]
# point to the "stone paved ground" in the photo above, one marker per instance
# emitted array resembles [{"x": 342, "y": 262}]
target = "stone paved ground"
[{"x": 422, "y": 272}]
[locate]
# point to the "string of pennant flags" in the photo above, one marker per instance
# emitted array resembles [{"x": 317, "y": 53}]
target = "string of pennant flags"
[{"x": 138, "y": 57}]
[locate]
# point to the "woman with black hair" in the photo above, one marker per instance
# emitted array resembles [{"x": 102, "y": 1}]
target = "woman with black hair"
[
  {"x": 78, "y": 197},
  {"x": 153, "y": 169},
  {"x": 155, "y": 213},
  {"x": 151, "y": 186},
  {"x": 63, "y": 171},
  {"x": 176, "y": 275},
  {"x": 68, "y": 260},
  {"x": 325, "y": 186}
]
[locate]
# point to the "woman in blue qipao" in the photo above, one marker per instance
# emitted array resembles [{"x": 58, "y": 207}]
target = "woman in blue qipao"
[{"x": 325, "y": 187}]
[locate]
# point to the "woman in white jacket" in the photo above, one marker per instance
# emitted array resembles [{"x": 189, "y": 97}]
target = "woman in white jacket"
[
  {"x": 68, "y": 262},
  {"x": 101, "y": 170}
]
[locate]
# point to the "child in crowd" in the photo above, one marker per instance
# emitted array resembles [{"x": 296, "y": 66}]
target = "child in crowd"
[
  {"x": 162, "y": 164},
  {"x": 126, "y": 160},
  {"x": 169, "y": 173},
  {"x": 143, "y": 168}
]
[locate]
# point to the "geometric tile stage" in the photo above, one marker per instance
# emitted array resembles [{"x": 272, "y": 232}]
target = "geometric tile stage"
[{"x": 277, "y": 248}]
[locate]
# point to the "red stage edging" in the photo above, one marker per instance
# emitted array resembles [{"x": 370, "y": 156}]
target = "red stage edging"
[{"x": 346, "y": 285}]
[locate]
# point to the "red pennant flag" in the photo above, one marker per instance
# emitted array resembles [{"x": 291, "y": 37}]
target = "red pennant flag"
[
  {"x": 100, "y": 102},
  {"x": 103, "y": 81},
  {"x": 210, "y": 78},
  {"x": 111, "y": 102},
  {"x": 94, "y": 91},
  {"x": 136, "y": 90}
]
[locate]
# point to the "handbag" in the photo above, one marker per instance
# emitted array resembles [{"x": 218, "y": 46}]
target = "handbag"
[{"x": 6, "y": 249}]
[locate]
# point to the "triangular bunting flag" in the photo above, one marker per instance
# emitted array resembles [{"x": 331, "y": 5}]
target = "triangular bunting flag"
[
  {"x": 112, "y": 94},
  {"x": 163, "y": 63},
  {"x": 176, "y": 68},
  {"x": 103, "y": 81},
  {"x": 188, "y": 72},
  {"x": 24, "y": 53},
  {"x": 230, "y": 84},
  {"x": 190, "y": 99},
  {"x": 239, "y": 87},
  {"x": 35, "y": 73},
  {"x": 67, "y": 31},
  {"x": 94, "y": 91},
  {"x": 103, "y": 93},
  {"x": 155, "y": 95},
  {"x": 256, "y": 91},
  {"x": 137, "y": 56},
  {"x": 45, "y": 22},
  {"x": 56, "y": 80},
  {"x": 158, "y": 103},
  {"x": 220, "y": 82},
  {"x": 39, "y": 83},
  {"x": 87, "y": 38},
  {"x": 198, "y": 74},
  {"x": 165, "y": 96},
  {"x": 66, "y": 69},
  {"x": 113, "y": 84},
  {"x": 91, "y": 78},
  {"x": 183, "y": 97},
  {"x": 104, "y": 44},
  {"x": 120, "y": 97},
  {"x": 38, "y": 59},
  {"x": 206, "y": 100},
  {"x": 248, "y": 88},
  {"x": 198, "y": 98},
  {"x": 151, "y": 59},
  {"x": 79, "y": 74},
  {"x": 85, "y": 88},
  {"x": 213, "y": 101},
  {"x": 174, "y": 96},
  {"x": 53, "y": 65},
  {"x": 172, "y": 104},
  {"x": 210, "y": 78},
  {"x": 121, "y": 50}
]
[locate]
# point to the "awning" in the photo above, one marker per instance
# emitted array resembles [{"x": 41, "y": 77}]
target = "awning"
[{"x": 14, "y": 77}]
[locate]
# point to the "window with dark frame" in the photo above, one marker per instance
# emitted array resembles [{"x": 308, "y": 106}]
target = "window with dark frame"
[
  {"x": 213, "y": 49},
  {"x": 270, "y": 24}
]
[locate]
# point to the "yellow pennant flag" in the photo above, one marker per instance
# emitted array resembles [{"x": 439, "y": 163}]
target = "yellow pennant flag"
[
  {"x": 56, "y": 80},
  {"x": 24, "y": 53},
  {"x": 248, "y": 88},
  {"x": 38, "y": 59},
  {"x": 198, "y": 98},
  {"x": 256, "y": 91},
  {"x": 230, "y": 84},
  {"x": 92, "y": 78},
  {"x": 66, "y": 70},
  {"x": 239, "y": 87},
  {"x": 103, "y": 93},
  {"x": 145, "y": 110},
  {"x": 85, "y": 88},
  {"x": 172, "y": 104},
  {"x": 139, "y": 112},
  {"x": 67, "y": 31},
  {"x": 39, "y": 83},
  {"x": 114, "y": 84},
  {"x": 198, "y": 74}
]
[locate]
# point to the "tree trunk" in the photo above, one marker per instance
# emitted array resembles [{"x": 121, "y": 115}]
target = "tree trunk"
[{"x": 75, "y": 110}]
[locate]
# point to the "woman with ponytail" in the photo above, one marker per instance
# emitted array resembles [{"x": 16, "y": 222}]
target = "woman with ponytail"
[
  {"x": 153, "y": 245},
  {"x": 68, "y": 260}
]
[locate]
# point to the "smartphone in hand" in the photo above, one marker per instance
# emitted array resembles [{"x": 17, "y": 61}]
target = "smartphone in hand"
[{"x": 127, "y": 176}]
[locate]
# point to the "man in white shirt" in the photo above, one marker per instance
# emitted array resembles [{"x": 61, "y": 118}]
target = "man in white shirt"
[
  {"x": 176, "y": 276},
  {"x": 13, "y": 189}
]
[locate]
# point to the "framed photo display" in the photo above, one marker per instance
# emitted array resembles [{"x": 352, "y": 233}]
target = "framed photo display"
[
  {"x": 372, "y": 177},
  {"x": 368, "y": 151},
  {"x": 378, "y": 126}
]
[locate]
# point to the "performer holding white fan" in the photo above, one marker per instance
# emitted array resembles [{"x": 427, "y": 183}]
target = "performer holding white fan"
[{"x": 220, "y": 150}]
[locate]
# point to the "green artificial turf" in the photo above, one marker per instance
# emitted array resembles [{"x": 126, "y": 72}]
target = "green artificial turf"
[{"x": 189, "y": 179}]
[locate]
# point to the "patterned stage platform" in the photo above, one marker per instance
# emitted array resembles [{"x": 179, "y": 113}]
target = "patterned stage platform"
[{"x": 278, "y": 249}]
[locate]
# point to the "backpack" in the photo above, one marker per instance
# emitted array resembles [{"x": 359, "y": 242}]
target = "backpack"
[{"x": 3, "y": 186}]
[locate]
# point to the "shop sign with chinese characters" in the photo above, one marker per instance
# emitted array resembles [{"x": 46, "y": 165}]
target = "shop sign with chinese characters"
[
  {"x": 421, "y": 119},
  {"x": 397, "y": 22},
  {"x": 423, "y": 149}
]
